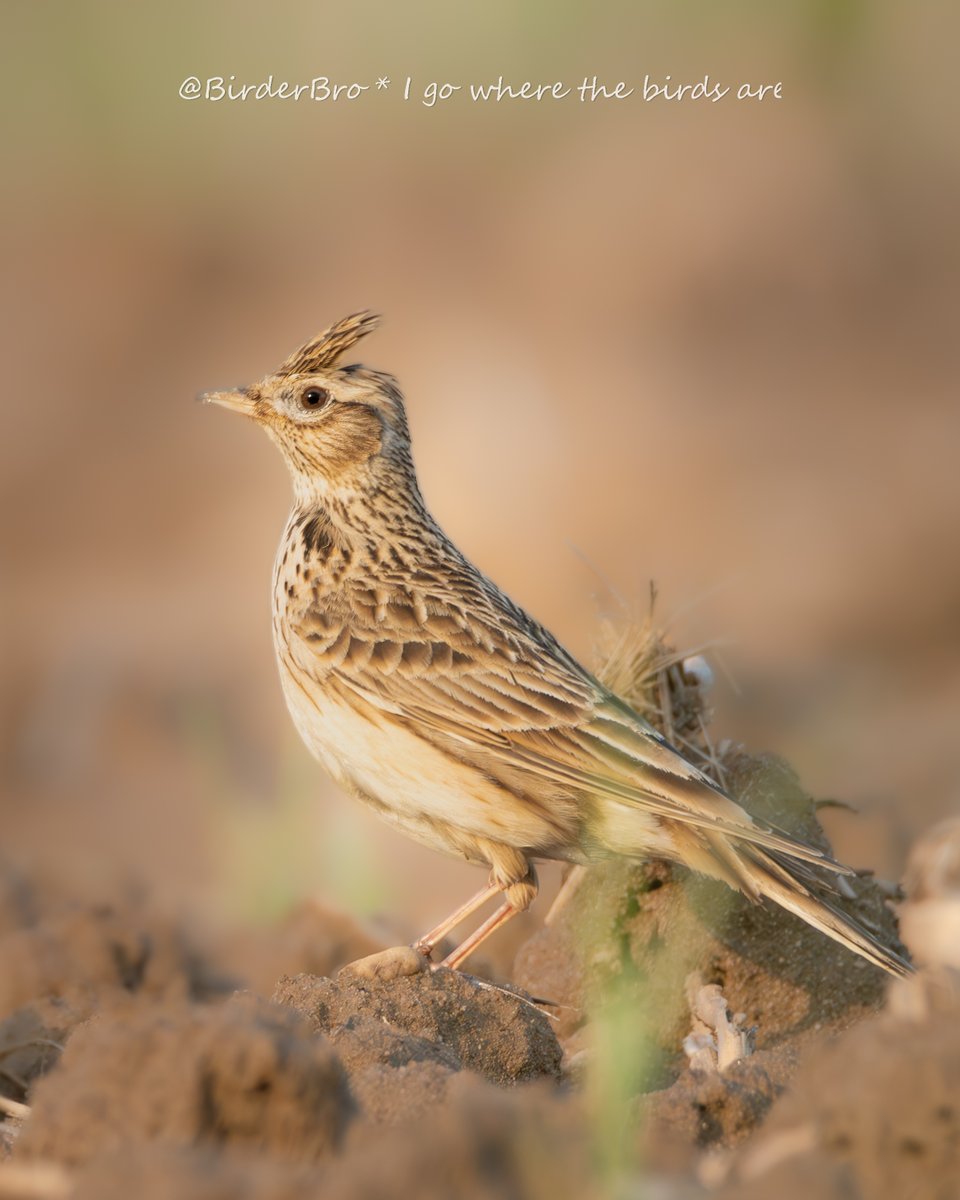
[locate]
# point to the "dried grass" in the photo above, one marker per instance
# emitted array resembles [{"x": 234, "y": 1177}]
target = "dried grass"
[{"x": 666, "y": 686}]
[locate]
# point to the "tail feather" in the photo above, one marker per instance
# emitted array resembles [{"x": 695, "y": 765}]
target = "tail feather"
[
  {"x": 768, "y": 875},
  {"x": 776, "y": 875}
]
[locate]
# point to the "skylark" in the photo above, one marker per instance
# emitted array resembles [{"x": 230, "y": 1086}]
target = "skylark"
[{"x": 428, "y": 694}]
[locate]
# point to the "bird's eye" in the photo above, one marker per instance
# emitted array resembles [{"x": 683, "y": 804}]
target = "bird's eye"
[{"x": 313, "y": 398}]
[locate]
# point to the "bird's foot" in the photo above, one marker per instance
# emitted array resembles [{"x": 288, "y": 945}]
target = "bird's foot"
[{"x": 394, "y": 963}]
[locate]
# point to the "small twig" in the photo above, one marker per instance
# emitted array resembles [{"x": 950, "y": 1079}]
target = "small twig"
[
  {"x": 14, "y": 1078},
  {"x": 664, "y": 658},
  {"x": 713, "y": 757},
  {"x": 666, "y": 709},
  {"x": 725, "y": 667},
  {"x": 844, "y": 887},
  {"x": 487, "y": 985},
  {"x": 602, "y": 575},
  {"x": 832, "y": 802},
  {"x": 689, "y": 605},
  {"x": 567, "y": 891},
  {"x": 693, "y": 749},
  {"x": 13, "y": 1108},
  {"x": 5, "y": 1050}
]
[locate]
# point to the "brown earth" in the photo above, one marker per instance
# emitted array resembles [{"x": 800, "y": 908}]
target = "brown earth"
[
  {"x": 147, "y": 1074},
  {"x": 874, "y": 1113}
]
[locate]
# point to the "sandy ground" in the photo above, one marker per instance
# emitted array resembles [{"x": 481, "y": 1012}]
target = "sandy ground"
[{"x": 132, "y": 1064}]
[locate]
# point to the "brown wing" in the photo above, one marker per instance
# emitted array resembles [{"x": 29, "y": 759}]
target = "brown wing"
[{"x": 478, "y": 676}]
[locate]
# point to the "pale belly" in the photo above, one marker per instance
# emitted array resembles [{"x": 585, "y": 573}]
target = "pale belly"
[{"x": 415, "y": 786}]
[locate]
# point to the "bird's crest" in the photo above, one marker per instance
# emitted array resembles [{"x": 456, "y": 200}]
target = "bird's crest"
[{"x": 323, "y": 351}]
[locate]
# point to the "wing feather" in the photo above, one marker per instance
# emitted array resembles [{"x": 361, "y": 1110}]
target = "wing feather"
[{"x": 502, "y": 690}]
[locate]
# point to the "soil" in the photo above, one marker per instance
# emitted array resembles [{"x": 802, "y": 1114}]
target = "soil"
[
  {"x": 878, "y": 1109},
  {"x": 148, "y": 1073},
  {"x": 245, "y": 1073},
  {"x": 454, "y": 1019}
]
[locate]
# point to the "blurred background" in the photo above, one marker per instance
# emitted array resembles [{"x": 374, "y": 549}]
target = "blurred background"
[{"x": 708, "y": 345}]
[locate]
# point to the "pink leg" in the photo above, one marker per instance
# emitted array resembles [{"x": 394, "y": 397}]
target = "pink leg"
[
  {"x": 428, "y": 942},
  {"x": 467, "y": 947}
]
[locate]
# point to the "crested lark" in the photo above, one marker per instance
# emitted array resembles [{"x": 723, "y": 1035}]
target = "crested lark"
[{"x": 431, "y": 696}]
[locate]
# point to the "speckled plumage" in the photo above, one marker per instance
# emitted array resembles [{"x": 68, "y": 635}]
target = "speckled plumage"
[{"x": 426, "y": 692}]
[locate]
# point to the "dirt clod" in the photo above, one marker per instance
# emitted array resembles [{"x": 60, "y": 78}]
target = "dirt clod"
[
  {"x": 703, "y": 1110},
  {"x": 86, "y": 954},
  {"x": 196, "y": 1173},
  {"x": 499, "y": 1034},
  {"x": 31, "y": 1041},
  {"x": 483, "y": 1143},
  {"x": 881, "y": 1109},
  {"x": 244, "y": 1073},
  {"x": 438, "y": 1084}
]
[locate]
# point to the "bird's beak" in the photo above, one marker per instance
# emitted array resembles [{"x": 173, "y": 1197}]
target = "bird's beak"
[{"x": 237, "y": 400}]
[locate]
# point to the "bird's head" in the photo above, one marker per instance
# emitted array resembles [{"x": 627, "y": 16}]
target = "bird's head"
[{"x": 339, "y": 428}]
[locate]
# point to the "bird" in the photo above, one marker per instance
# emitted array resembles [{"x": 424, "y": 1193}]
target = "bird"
[{"x": 433, "y": 698}]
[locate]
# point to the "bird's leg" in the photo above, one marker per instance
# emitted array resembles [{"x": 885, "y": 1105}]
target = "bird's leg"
[
  {"x": 512, "y": 876},
  {"x": 517, "y": 879},
  {"x": 428, "y": 943},
  {"x": 398, "y": 961},
  {"x": 467, "y": 947}
]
